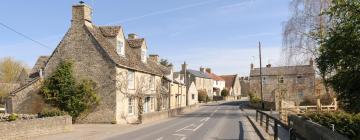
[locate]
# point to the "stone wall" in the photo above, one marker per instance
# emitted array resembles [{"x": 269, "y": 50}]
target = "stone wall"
[
  {"x": 155, "y": 116},
  {"x": 26, "y": 129},
  {"x": 312, "y": 131},
  {"x": 26, "y": 100}
]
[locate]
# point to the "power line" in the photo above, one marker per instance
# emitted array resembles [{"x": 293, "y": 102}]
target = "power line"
[{"x": 25, "y": 36}]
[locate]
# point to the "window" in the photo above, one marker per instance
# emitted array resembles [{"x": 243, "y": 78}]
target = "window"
[
  {"x": 131, "y": 106},
  {"x": 152, "y": 104},
  {"x": 300, "y": 79},
  {"x": 281, "y": 80},
  {"x": 143, "y": 55},
  {"x": 131, "y": 79},
  {"x": 146, "y": 104},
  {"x": 264, "y": 80},
  {"x": 152, "y": 82},
  {"x": 193, "y": 96},
  {"x": 120, "y": 48},
  {"x": 300, "y": 93}
]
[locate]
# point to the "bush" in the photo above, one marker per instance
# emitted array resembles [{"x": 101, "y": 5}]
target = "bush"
[
  {"x": 345, "y": 123},
  {"x": 254, "y": 98},
  {"x": 12, "y": 117},
  {"x": 51, "y": 113},
  {"x": 62, "y": 91},
  {"x": 202, "y": 96},
  {"x": 224, "y": 93}
]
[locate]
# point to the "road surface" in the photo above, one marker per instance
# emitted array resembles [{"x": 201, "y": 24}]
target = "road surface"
[{"x": 216, "y": 121}]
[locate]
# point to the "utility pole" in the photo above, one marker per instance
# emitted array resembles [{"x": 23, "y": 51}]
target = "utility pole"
[{"x": 261, "y": 80}]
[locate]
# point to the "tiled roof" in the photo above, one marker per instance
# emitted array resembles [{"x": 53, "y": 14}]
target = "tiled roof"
[
  {"x": 215, "y": 77},
  {"x": 132, "y": 59},
  {"x": 135, "y": 43},
  {"x": 284, "y": 70},
  {"x": 229, "y": 80},
  {"x": 110, "y": 31},
  {"x": 199, "y": 74}
]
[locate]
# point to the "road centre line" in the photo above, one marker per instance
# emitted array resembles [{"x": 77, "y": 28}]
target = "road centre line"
[
  {"x": 198, "y": 127},
  {"x": 184, "y": 127}
]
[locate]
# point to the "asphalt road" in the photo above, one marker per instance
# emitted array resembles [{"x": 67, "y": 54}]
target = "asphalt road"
[{"x": 224, "y": 121}]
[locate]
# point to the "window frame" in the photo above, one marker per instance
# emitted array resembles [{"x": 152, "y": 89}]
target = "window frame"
[
  {"x": 131, "y": 106},
  {"x": 120, "y": 50},
  {"x": 131, "y": 85}
]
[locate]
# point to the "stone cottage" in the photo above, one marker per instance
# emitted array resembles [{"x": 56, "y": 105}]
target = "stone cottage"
[
  {"x": 290, "y": 83},
  {"x": 118, "y": 65},
  {"x": 218, "y": 82},
  {"x": 201, "y": 80},
  {"x": 177, "y": 92},
  {"x": 232, "y": 84}
]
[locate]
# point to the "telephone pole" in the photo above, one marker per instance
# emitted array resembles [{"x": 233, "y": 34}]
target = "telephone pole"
[{"x": 261, "y": 80}]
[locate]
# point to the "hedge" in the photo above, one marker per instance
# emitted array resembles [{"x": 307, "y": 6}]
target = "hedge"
[{"x": 345, "y": 123}]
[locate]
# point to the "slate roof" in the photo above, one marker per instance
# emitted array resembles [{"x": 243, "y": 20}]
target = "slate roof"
[
  {"x": 198, "y": 74},
  {"x": 215, "y": 77},
  {"x": 284, "y": 70},
  {"x": 132, "y": 53},
  {"x": 229, "y": 80}
]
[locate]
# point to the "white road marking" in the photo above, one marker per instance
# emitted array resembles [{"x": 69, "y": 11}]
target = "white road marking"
[
  {"x": 198, "y": 127},
  {"x": 160, "y": 138},
  {"x": 183, "y": 138},
  {"x": 212, "y": 114},
  {"x": 205, "y": 119},
  {"x": 184, "y": 128},
  {"x": 181, "y": 135}
]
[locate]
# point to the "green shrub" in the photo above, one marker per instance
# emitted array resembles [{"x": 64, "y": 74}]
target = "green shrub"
[
  {"x": 12, "y": 117},
  {"x": 224, "y": 93},
  {"x": 202, "y": 96},
  {"x": 62, "y": 91},
  {"x": 51, "y": 113},
  {"x": 344, "y": 123},
  {"x": 254, "y": 98}
]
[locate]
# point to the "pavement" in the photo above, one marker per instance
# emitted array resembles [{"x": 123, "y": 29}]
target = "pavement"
[{"x": 214, "y": 121}]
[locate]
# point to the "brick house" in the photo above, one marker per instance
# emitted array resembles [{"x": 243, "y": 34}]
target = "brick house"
[
  {"x": 104, "y": 54},
  {"x": 291, "y": 83}
]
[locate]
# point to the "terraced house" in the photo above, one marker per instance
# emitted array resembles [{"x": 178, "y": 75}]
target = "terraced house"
[{"x": 119, "y": 66}]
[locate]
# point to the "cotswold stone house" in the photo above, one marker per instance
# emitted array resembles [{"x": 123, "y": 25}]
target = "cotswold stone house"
[
  {"x": 201, "y": 80},
  {"x": 218, "y": 82},
  {"x": 291, "y": 83},
  {"x": 118, "y": 65},
  {"x": 232, "y": 84},
  {"x": 177, "y": 92}
]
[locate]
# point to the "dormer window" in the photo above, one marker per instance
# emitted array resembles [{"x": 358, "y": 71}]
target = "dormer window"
[
  {"x": 120, "y": 48},
  {"x": 143, "y": 55}
]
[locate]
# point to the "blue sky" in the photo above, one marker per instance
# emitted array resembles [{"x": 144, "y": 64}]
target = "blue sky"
[{"x": 221, "y": 34}]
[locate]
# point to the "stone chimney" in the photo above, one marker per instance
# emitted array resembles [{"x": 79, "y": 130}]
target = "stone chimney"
[
  {"x": 251, "y": 66},
  {"x": 154, "y": 57},
  {"x": 81, "y": 14},
  {"x": 208, "y": 70},
  {"x": 202, "y": 69},
  {"x": 183, "y": 67},
  {"x": 268, "y": 65},
  {"x": 311, "y": 62},
  {"x": 132, "y": 36}
]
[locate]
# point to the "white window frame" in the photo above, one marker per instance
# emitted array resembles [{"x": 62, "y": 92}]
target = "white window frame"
[
  {"x": 152, "y": 104},
  {"x": 131, "y": 79},
  {"x": 143, "y": 55},
  {"x": 152, "y": 82},
  {"x": 131, "y": 107},
  {"x": 120, "y": 47}
]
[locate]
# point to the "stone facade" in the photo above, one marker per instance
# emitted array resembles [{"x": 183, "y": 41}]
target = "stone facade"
[
  {"x": 245, "y": 86},
  {"x": 27, "y": 129},
  {"x": 192, "y": 97},
  {"x": 290, "y": 83},
  {"x": 232, "y": 84}
]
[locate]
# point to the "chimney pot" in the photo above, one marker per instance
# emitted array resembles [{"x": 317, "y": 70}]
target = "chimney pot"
[
  {"x": 251, "y": 66},
  {"x": 268, "y": 65},
  {"x": 183, "y": 67},
  {"x": 202, "y": 69},
  {"x": 132, "y": 36}
]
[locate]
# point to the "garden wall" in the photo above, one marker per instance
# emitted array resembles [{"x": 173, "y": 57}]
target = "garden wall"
[
  {"x": 26, "y": 129},
  {"x": 155, "y": 116}
]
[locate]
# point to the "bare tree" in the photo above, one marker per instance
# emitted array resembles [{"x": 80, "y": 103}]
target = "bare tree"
[
  {"x": 10, "y": 71},
  {"x": 298, "y": 43},
  {"x": 142, "y": 88}
]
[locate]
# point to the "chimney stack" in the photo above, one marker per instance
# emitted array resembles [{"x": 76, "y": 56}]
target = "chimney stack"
[
  {"x": 132, "y": 36},
  {"x": 81, "y": 13},
  {"x": 311, "y": 63},
  {"x": 268, "y": 65},
  {"x": 202, "y": 69},
  {"x": 251, "y": 66},
  {"x": 208, "y": 70},
  {"x": 183, "y": 67},
  {"x": 154, "y": 57}
]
